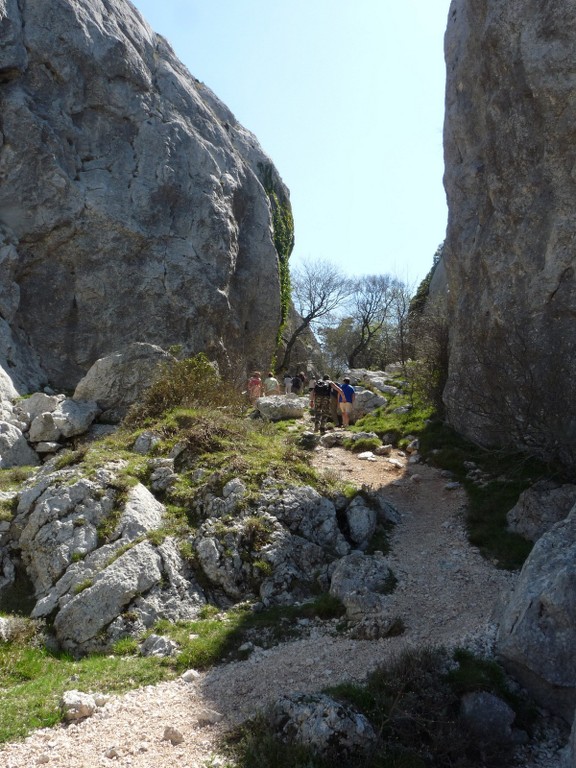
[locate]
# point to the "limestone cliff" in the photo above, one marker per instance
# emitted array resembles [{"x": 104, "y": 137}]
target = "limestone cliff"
[
  {"x": 510, "y": 151},
  {"x": 133, "y": 206}
]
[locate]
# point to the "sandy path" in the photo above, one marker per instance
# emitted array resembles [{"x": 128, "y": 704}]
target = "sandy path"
[{"x": 446, "y": 593}]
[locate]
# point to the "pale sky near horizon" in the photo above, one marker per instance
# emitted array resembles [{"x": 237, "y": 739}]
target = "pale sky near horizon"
[{"x": 347, "y": 99}]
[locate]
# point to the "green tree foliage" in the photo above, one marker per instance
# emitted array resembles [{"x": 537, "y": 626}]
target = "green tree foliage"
[{"x": 419, "y": 299}]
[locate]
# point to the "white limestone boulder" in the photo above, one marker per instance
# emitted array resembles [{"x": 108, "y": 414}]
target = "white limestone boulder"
[
  {"x": 68, "y": 419},
  {"x": 14, "y": 448},
  {"x": 332, "y": 729},
  {"x": 281, "y": 407},
  {"x": 118, "y": 380},
  {"x": 361, "y": 582},
  {"x": 77, "y": 705},
  {"x": 366, "y": 401},
  {"x": 90, "y": 611}
]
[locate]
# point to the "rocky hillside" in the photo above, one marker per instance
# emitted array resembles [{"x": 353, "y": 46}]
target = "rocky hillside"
[
  {"x": 125, "y": 183},
  {"x": 509, "y": 254}
]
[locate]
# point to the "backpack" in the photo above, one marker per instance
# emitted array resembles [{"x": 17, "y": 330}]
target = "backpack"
[
  {"x": 296, "y": 383},
  {"x": 322, "y": 389}
]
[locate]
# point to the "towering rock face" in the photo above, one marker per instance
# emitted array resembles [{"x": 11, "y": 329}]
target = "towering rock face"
[
  {"x": 133, "y": 206},
  {"x": 510, "y": 151}
]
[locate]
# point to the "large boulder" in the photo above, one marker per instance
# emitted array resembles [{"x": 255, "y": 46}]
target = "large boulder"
[
  {"x": 93, "y": 570},
  {"x": 118, "y": 380},
  {"x": 540, "y": 507},
  {"x": 509, "y": 251},
  {"x": 132, "y": 200},
  {"x": 367, "y": 401},
  {"x": 282, "y": 407},
  {"x": 537, "y": 633},
  {"x": 14, "y": 448},
  {"x": 362, "y": 583},
  {"x": 68, "y": 419}
]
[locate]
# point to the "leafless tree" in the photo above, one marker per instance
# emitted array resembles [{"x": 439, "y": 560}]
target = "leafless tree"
[
  {"x": 319, "y": 288},
  {"x": 372, "y": 301}
]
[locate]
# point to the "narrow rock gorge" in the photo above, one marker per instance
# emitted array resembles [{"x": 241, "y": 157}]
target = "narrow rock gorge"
[
  {"x": 509, "y": 255},
  {"x": 133, "y": 206}
]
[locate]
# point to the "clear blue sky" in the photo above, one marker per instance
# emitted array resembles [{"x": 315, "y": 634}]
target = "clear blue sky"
[{"x": 347, "y": 98}]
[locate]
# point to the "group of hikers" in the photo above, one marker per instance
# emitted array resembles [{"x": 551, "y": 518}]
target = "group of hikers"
[{"x": 329, "y": 400}]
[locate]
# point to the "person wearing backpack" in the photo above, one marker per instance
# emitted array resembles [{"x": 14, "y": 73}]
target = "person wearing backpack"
[
  {"x": 321, "y": 402},
  {"x": 296, "y": 385},
  {"x": 335, "y": 412}
]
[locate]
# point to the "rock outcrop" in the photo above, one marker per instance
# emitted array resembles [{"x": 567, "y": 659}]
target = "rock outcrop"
[
  {"x": 509, "y": 253},
  {"x": 537, "y": 631},
  {"x": 540, "y": 507},
  {"x": 133, "y": 206}
]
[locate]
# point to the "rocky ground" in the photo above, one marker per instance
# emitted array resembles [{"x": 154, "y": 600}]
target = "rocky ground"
[{"x": 446, "y": 594}]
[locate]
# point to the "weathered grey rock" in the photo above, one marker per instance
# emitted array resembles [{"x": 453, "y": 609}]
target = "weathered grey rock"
[
  {"x": 124, "y": 178},
  {"x": 487, "y": 717},
  {"x": 158, "y": 645},
  {"x": 361, "y": 519},
  {"x": 281, "y": 407},
  {"x": 7, "y": 389},
  {"x": 540, "y": 507},
  {"x": 38, "y": 403},
  {"x": 142, "y": 513},
  {"x": 361, "y": 582},
  {"x": 57, "y": 522},
  {"x": 68, "y": 419},
  {"x": 77, "y": 705},
  {"x": 387, "y": 512},
  {"x": 366, "y": 401},
  {"x": 309, "y": 515},
  {"x": 7, "y": 569},
  {"x": 537, "y": 631},
  {"x": 145, "y": 442},
  {"x": 14, "y": 448},
  {"x": 318, "y": 721},
  {"x": 173, "y": 735},
  {"x": 47, "y": 447},
  {"x": 90, "y": 611},
  {"x": 178, "y": 597},
  {"x": 119, "y": 380},
  {"x": 162, "y": 476},
  {"x": 509, "y": 258}
]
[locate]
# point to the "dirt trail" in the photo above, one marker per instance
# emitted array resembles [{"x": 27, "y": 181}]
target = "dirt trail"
[{"x": 446, "y": 593}]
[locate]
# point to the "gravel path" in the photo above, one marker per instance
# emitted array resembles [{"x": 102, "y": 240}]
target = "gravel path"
[{"x": 446, "y": 594}]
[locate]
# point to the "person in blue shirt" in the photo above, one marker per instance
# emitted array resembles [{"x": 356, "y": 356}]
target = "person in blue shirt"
[{"x": 346, "y": 400}]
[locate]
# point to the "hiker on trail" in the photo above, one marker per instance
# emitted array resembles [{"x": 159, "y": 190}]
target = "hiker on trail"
[
  {"x": 311, "y": 385},
  {"x": 297, "y": 384},
  {"x": 335, "y": 412},
  {"x": 346, "y": 401},
  {"x": 271, "y": 386},
  {"x": 321, "y": 402},
  {"x": 287, "y": 383},
  {"x": 254, "y": 387}
]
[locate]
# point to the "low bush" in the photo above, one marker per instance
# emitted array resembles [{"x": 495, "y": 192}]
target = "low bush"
[
  {"x": 185, "y": 383},
  {"x": 413, "y": 704}
]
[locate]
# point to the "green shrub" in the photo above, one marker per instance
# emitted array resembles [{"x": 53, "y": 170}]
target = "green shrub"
[
  {"x": 364, "y": 444},
  {"x": 188, "y": 383},
  {"x": 413, "y": 704}
]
